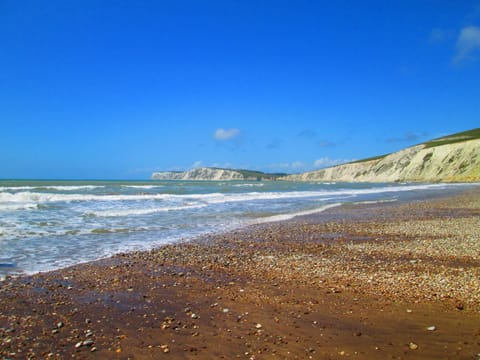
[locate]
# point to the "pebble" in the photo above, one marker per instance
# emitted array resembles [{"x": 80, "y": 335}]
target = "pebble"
[
  {"x": 393, "y": 276},
  {"x": 412, "y": 346},
  {"x": 83, "y": 343},
  {"x": 87, "y": 343}
]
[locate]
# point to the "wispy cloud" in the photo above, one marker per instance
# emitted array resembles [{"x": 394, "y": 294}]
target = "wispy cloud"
[
  {"x": 474, "y": 14},
  {"x": 307, "y": 134},
  {"x": 288, "y": 166},
  {"x": 197, "y": 164},
  {"x": 225, "y": 134},
  {"x": 468, "y": 44},
  {"x": 299, "y": 166},
  {"x": 441, "y": 35},
  {"x": 325, "y": 144},
  {"x": 200, "y": 164},
  {"x": 409, "y": 136},
  {"x": 275, "y": 143},
  {"x": 327, "y": 162},
  {"x": 311, "y": 135}
]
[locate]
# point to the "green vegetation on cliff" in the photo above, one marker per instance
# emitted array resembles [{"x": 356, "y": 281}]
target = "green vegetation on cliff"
[
  {"x": 452, "y": 158},
  {"x": 454, "y": 138}
]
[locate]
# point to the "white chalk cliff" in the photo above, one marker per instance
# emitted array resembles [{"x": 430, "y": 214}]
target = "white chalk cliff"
[
  {"x": 450, "y": 159},
  {"x": 199, "y": 174},
  {"x": 216, "y": 174}
]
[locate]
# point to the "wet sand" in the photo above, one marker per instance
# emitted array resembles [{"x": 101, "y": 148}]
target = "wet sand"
[{"x": 364, "y": 281}]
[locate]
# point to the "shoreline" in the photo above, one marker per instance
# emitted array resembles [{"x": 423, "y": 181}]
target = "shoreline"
[
  {"x": 12, "y": 269},
  {"x": 358, "y": 280},
  {"x": 101, "y": 221}
]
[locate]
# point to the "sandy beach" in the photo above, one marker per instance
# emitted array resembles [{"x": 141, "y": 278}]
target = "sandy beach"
[{"x": 361, "y": 281}]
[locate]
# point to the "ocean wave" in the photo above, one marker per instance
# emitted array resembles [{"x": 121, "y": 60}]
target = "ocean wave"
[
  {"x": 17, "y": 206},
  {"x": 284, "y": 217},
  {"x": 249, "y": 185},
  {"x": 36, "y": 197},
  {"x": 133, "y": 212},
  {"x": 143, "y": 186},
  {"x": 51, "y": 187},
  {"x": 106, "y": 223},
  {"x": 367, "y": 202},
  {"x": 28, "y": 197}
]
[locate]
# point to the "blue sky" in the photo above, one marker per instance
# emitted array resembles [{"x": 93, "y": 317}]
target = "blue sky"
[{"x": 118, "y": 89}]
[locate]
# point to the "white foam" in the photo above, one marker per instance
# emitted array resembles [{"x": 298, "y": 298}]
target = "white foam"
[
  {"x": 72, "y": 187},
  {"x": 129, "y": 212},
  {"x": 143, "y": 186},
  {"x": 28, "y": 197},
  {"x": 249, "y": 185},
  {"x": 50, "y": 187},
  {"x": 17, "y": 206},
  {"x": 100, "y": 235},
  {"x": 367, "y": 202},
  {"x": 284, "y": 217}
]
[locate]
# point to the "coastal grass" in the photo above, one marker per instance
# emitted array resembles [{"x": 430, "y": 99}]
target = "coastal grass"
[
  {"x": 379, "y": 157},
  {"x": 473, "y": 134}
]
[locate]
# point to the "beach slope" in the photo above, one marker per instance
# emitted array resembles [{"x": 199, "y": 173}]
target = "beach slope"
[{"x": 365, "y": 281}]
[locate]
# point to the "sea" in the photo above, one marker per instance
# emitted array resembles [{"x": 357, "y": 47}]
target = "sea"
[{"x": 47, "y": 225}]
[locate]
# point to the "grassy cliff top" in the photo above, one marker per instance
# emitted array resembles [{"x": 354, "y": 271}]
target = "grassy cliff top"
[
  {"x": 445, "y": 140},
  {"x": 454, "y": 138}
]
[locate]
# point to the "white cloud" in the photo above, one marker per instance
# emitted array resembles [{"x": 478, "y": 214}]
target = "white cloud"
[
  {"x": 288, "y": 166},
  {"x": 225, "y": 165},
  {"x": 409, "y": 136},
  {"x": 197, "y": 164},
  {"x": 298, "y": 166},
  {"x": 226, "y": 134},
  {"x": 326, "y": 162},
  {"x": 468, "y": 43},
  {"x": 441, "y": 35},
  {"x": 293, "y": 165},
  {"x": 474, "y": 14}
]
